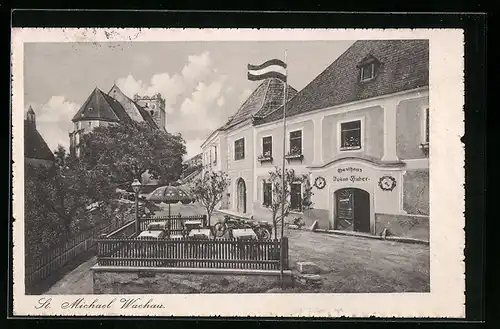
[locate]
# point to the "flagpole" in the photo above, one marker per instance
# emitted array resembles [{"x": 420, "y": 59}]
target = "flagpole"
[{"x": 282, "y": 265}]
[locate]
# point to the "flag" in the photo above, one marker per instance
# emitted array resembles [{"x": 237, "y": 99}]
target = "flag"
[{"x": 273, "y": 68}]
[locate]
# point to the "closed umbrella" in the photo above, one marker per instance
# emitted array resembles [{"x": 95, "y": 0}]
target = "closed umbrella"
[{"x": 169, "y": 195}]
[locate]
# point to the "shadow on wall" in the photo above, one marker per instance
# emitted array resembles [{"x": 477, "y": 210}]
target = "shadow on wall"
[
  {"x": 416, "y": 192},
  {"x": 407, "y": 226}
]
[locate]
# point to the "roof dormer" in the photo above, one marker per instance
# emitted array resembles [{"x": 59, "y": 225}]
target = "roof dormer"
[{"x": 368, "y": 68}]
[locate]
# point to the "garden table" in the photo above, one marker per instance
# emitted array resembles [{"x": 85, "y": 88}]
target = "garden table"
[{"x": 157, "y": 226}]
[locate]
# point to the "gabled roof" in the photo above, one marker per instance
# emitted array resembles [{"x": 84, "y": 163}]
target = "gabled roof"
[
  {"x": 404, "y": 65},
  {"x": 35, "y": 146},
  {"x": 267, "y": 97},
  {"x": 132, "y": 108},
  {"x": 100, "y": 106},
  {"x": 146, "y": 116}
]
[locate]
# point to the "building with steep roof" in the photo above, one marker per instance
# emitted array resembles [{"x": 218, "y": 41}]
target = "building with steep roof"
[
  {"x": 230, "y": 148},
  {"x": 102, "y": 109},
  {"x": 360, "y": 130},
  {"x": 36, "y": 150}
]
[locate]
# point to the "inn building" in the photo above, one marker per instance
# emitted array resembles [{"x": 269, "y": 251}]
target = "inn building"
[{"x": 360, "y": 130}]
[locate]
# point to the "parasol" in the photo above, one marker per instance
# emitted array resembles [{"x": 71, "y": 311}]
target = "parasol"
[{"x": 169, "y": 195}]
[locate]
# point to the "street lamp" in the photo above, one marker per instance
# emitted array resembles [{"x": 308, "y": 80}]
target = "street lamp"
[{"x": 136, "y": 186}]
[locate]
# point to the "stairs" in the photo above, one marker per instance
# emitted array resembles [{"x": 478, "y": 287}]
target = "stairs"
[{"x": 191, "y": 177}]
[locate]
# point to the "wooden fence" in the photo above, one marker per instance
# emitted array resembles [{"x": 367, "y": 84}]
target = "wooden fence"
[
  {"x": 189, "y": 253},
  {"x": 59, "y": 255}
]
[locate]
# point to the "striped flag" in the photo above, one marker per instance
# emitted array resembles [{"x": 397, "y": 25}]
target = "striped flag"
[{"x": 273, "y": 68}]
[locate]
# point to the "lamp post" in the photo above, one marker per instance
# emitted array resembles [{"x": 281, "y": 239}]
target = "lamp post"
[{"x": 136, "y": 186}]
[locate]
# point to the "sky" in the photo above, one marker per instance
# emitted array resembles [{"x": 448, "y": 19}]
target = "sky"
[{"x": 203, "y": 83}]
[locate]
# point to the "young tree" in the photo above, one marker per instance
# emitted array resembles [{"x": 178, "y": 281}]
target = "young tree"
[
  {"x": 279, "y": 194},
  {"x": 209, "y": 190},
  {"x": 128, "y": 150}
]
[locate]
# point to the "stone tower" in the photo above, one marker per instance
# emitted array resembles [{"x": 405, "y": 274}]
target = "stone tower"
[
  {"x": 31, "y": 117},
  {"x": 155, "y": 105}
]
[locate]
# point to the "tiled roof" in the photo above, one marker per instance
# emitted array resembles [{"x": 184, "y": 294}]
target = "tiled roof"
[
  {"x": 144, "y": 114},
  {"x": 404, "y": 66},
  {"x": 100, "y": 106},
  {"x": 35, "y": 146},
  {"x": 267, "y": 97}
]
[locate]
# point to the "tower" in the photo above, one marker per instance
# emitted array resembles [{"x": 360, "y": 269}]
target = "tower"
[
  {"x": 155, "y": 105},
  {"x": 31, "y": 117}
]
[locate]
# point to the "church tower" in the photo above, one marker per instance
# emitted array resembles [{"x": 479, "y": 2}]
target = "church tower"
[
  {"x": 31, "y": 117},
  {"x": 155, "y": 105}
]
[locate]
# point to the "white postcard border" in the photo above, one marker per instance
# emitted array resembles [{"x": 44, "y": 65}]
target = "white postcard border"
[{"x": 447, "y": 237}]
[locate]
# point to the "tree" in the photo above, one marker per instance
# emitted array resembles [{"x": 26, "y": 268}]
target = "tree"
[
  {"x": 66, "y": 191},
  {"x": 209, "y": 190},
  {"x": 65, "y": 199},
  {"x": 279, "y": 194},
  {"x": 128, "y": 150}
]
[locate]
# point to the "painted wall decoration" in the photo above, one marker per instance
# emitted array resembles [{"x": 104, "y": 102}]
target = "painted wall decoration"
[
  {"x": 387, "y": 183},
  {"x": 320, "y": 182}
]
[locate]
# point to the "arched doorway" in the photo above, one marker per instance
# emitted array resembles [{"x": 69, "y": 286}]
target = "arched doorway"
[
  {"x": 352, "y": 210},
  {"x": 241, "y": 196}
]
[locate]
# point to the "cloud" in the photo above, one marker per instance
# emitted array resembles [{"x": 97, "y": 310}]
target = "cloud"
[
  {"x": 244, "y": 95},
  {"x": 53, "y": 120},
  {"x": 198, "y": 66},
  {"x": 170, "y": 86},
  {"x": 198, "y": 110},
  {"x": 221, "y": 101}
]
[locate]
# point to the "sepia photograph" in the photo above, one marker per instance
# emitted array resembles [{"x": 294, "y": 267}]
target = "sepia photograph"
[{"x": 215, "y": 167}]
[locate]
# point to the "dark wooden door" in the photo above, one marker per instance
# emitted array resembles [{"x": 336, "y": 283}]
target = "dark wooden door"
[
  {"x": 352, "y": 210},
  {"x": 361, "y": 211},
  {"x": 344, "y": 214}
]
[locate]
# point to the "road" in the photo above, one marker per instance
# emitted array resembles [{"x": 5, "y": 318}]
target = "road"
[{"x": 348, "y": 263}]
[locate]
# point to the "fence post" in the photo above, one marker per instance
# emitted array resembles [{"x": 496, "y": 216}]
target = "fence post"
[
  {"x": 283, "y": 245},
  {"x": 204, "y": 220}
]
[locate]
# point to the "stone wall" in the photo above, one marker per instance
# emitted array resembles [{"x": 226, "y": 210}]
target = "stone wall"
[
  {"x": 407, "y": 226},
  {"x": 106, "y": 282}
]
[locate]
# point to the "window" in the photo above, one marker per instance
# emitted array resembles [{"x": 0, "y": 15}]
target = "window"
[
  {"x": 239, "y": 149},
  {"x": 267, "y": 146},
  {"x": 367, "y": 72},
  {"x": 267, "y": 194},
  {"x": 215, "y": 154},
  {"x": 296, "y": 142},
  {"x": 296, "y": 196},
  {"x": 90, "y": 109},
  {"x": 350, "y": 135}
]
